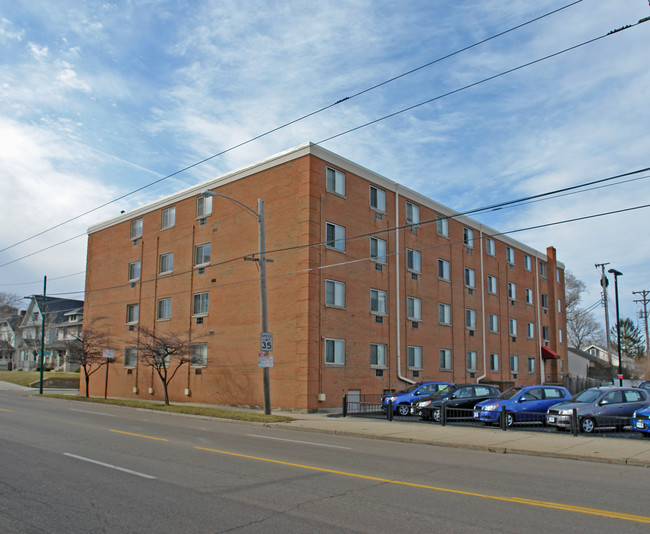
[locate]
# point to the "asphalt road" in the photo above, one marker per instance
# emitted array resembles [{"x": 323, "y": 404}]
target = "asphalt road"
[{"x": 67, "y": 466}]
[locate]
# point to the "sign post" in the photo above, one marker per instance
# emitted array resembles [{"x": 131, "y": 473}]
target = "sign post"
[{"x": 109, "y": 355}]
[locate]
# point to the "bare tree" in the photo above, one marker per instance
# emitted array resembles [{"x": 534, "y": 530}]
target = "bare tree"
[
  {"x": 582, "y": 328},
  {"x": 164, "y": 352},
  {"x": 86, "y": 349},
  {"x": 9, "y": 304}
]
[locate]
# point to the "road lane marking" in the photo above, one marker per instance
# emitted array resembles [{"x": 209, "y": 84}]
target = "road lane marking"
[
  {"x": 138, "y": 435},
  {"x": 518, "y": 500},
  {"x": 298, "y": 441},
  {"x": 4, "y": 410},
  {"x": 110, "y": 466},
  {"x": 94, "y": 413}
]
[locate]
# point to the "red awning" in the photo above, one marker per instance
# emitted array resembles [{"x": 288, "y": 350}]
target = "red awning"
[{"x": 548, "y": 354}]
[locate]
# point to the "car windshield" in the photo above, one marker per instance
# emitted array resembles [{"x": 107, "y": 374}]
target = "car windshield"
[
  {"x": 411, "y": 388},
  {"x": 589, "y": 395},
  {"x": 508, "y": 394}
]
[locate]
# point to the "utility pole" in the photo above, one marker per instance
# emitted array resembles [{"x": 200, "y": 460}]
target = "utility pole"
[
  {"x": 644, "y": 300},
  {"x": 604, "y": 283}
]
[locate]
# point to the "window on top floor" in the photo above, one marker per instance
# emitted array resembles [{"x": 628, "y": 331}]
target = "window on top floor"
[
  {"x": 528, "y": 263},
  {"x": 168, "y": 218},
  {"x": 203, "y": 206},
  {"x": 490, "y": 246},
  {"x": 335, "y": 181},
  {"x": 443, "y": 226},
  {"x": 412, "y": 213},
  {"x": 468, "y": 237},
  {"x": 377, "y": 199},
  {"x": 136, "y": 229}
]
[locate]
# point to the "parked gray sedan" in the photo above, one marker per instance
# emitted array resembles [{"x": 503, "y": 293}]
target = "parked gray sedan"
[{"x": 601, "y": 406}]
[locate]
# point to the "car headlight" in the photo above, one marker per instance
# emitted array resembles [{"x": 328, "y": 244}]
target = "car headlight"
[
  {"x": 490, "y": 407},
  {"x": 565, "y": 412},
  {"x": 423, "y": 404},
  {"x": 391, "y": 399}
]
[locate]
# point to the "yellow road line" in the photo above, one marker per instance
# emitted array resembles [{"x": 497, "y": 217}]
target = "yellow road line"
[
  {"x": 138, "y": 435},
  {"x": 518, "y": 500},
  {"x": 4, "y": 410}
]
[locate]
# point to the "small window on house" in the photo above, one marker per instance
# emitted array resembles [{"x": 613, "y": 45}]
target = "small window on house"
[
  {"x": 528, "y": 264},
  {"x": 529, "y": 296},
  {"x": 335, "y": 351},
  {"x": 334, "y": 294},
  {"x": 531, "y": 365},
  {"x": 132, "y": 313},
  {"x": 514, "y": 364},
  {"x": 202, "y": 254},
  {"x": 468, "y": 237},
  {"x": 168, "y": 218},
  {"x": 559, "y": 305},
  {"x": 492, "y": 284},
  {"x": 413, "y": 309},
  {"x": 490, "y": 247},
  {"x": 530, "y": 330},
  {"x": 377, "y": 249},
  {"x": 134, "y": 271},
  {"x": 199, "y": 355},
  {"x": 510, "y": 255},
  {"x": 545, "y": 333},
  {"x": 130, "y": 357},
  {"x": 559, "y": 335},
  {"x": 494, "y": 362},
  {"x": 444, "y": 314},
  {"x": 542, "y": 269},
  {"x": 377, "y": 355},
  {"x": 445, "y": 359},
  {"x": 136, "y": 229},
  {"x": 443, "y": 226},
  {"x": 166, "y": 263},
  {"x": 558, "y": 275},
  {"x": 203, "y": 206},
  {"x": 412, "y": 214},
  {"x": 164, "y": 309},
  {"x": 414, "y": 357},
  {"x": 493, "y": 323},
  {"x": 544, "y": 299},
  {"x": 512, "y": 291},
  {"x": 443, "y": 269},
  {"x": 200, "y": 303},
  {"x": 470, "y": 278},
  {"x": 378, "y": 301},
  {"x": 470, "y": 359},
  {"x": 335, "y": 236},
  {"x": 512, "y": 327},
  {"x": 335, "y": 181},
  {"x": 377, "y": 199},
  {"x": 413, "y": 260},
  {"x": 470, "y": 319}
]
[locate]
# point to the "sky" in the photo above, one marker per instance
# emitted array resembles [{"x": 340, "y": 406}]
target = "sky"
[{"x": 99, "y": 99}]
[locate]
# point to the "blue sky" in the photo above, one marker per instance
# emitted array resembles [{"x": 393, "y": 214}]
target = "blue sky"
[{"x": 98, "y": 99}]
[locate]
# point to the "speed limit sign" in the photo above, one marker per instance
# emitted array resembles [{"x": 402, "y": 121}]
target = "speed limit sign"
[{"x": 266, "y": 342}]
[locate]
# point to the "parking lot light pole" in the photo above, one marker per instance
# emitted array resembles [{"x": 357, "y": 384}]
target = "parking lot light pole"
[
  {"x": 259, "y": 215},
  {"x": 618, "y": 326}
]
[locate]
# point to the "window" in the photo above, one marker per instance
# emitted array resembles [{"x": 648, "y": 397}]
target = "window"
[
  {"x": 494, "y": 362},
  {"x": 470, "y": 319},
  {"x": 544, "y": 298},
  {"x": 558, "y": 275},
  {"x": 444, "y": 314},
  {"x": 414, "y": 357},
  {"x": 413, "y": 260},
  {"x": 166, "y": 263},
  {"x": 412, "y": 213},
  {"x": 199, "y": 355},
  {"x": 559, "y": 306},
  {"x": 201, "y": 303},
  {"x": 202, "y": 254},
  {"x": 134, "y": 271},
  {"x": 493, "y": 323},
  {"x": 377, "y": 249},
  {"x": 132, "y": 313},
  {"x": 492, "y": 284},
  {"x": 443, "y": 269},
  {"x": 203, "y": 206},
  {"x": 335, "y": 236},
  {"x": 470, "y": 277},
  {"x": 130, "y": 357},
  {"x": 529, "y": 296},
  {"x": 168, "y": 218},
  {"x": 528, "y": 264},
  {"x": 514, "y": 364},
  {"x": 335, "y": 181},
  {"x": 378, "y": 301},
  {"x": 559, "y": 335},
  {"x": 377, "y": 355},
  {"x": 530, "y": 330},
  {"x": 443, "y": 226},
  {"x": 531, "y": 365},
  {"x": 334, "y": 294},
  {"x": 545, "y": 333},
  {"x": 512, "y": 327},
  {"x": 377, "y": 199},
  {"x": 470, "y": 359},
  {"x": 510, "y": 255},
  {"x": 542, "y": 269},
  {"x": 136, "y": 229},
  {"x": 468, "y": 237},
  {"x": 164, "y": 309},
  {"x": 445, "y": 359},
  {"x": 335, "y": 351},
  {"x": 490, "y": 247},
  {"x": 413, "y": 309},
  {"x": 512, "y": 291}
]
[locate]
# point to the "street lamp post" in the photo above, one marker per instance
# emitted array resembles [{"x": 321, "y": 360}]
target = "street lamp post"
[
  {"x": 259, "y": 215},
  {"x": 618, "y": 326}
]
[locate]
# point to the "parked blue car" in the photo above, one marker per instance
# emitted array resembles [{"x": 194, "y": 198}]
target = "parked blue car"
[
  {"x": 402, "y": 399},
  {"x": 641, "y": 420},
  {"x": 522, "y": 403}
]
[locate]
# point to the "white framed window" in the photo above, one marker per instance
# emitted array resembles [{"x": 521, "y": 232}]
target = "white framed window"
[
  {"x": 203, "y": 206},
  {"x": 530, "y": 330},
  {"x": 528, "y": 263},
  {"x": 164, "y": 309},
  {"x": 531, "y": 365},
  {"x": 130, "y": 357},
  {"x": 335, "y": 236},
  {"x": 134, "y": 271},
  {"x": 445, "y": 359},
  {"x": 470, "y": 319},
  {"x": 559, "y": 305},
  {"x": 334, "y": 351},
  {"x": 546, "y": 333},
  {"x": 199, "y": 355},
  {"x": 413, "y": 262},
  {"x": 468, "y": 237},
  {"x": 202, "y": 254},
  {"x": 443, "y": 226},
  {"x": 414, "y": 357},
  {"x": 377, "y": 199},
  {"x": 493, "y": 323},
  {"x": 492, "y": 284},
  {"x": 443, "y": 269},
  {"x": 529, "y": 296},
  {"x": 494, "y": 362},
  {"x": 378, "y": 301},
  {"x": 542, "y": 269},
  {"x": 470, "y": 277},
  {"x": 470, "y": 360},
  {"x": 558, "y": 276},
  {"x": 544, "y": 299},
  {"x": 335, "y": 181},
  {"x": 490, "y": 246},
  {"x": 512, "y": 327},
  {"x": 136, "y": 229},
  {"x": 200, "y": 303},
  {"x": 413, "y": 309},
  {"x": 514, "y": 363},
  {"x": 512, "y": 291},
  {"x": 559, "y": 335},
  {"x": 334, "y": 293},
  {"x": 377, "y": 250},
  {"x": 412, "y": 213},
  {"x": 444, "y": 314},
  {"x": 132, "y": 313},
  {"x": 168, "y": 218},
  {"x": 377, "y": 355},
  {"x": 166, "y": 263},
  {"x": 510, "y": 255}
]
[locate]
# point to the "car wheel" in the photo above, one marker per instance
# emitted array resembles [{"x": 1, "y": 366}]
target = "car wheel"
[
  {"x": 436, "y": 415},
  {"x": 403, "y": 409},
  {"x": 588, "y": 425},
  {"x": 510, "y": 419}
]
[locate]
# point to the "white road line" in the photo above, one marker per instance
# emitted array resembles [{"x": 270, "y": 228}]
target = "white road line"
[
  {"x": 117, "y": 468},
  {"x": 94, "y": 413},
  {"x": 297, "y": 441}
]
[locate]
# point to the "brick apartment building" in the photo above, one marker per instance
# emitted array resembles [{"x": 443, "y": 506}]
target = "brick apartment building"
[{"x": 371, "y": 286}]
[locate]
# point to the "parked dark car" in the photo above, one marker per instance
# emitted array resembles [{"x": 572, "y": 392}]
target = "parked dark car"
[
  {"x": 402, "y": 399},
  {"x": 522, "y": 404},
  {"x": 601, "y": 406},
  {"x": 462, "y": 396}
]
